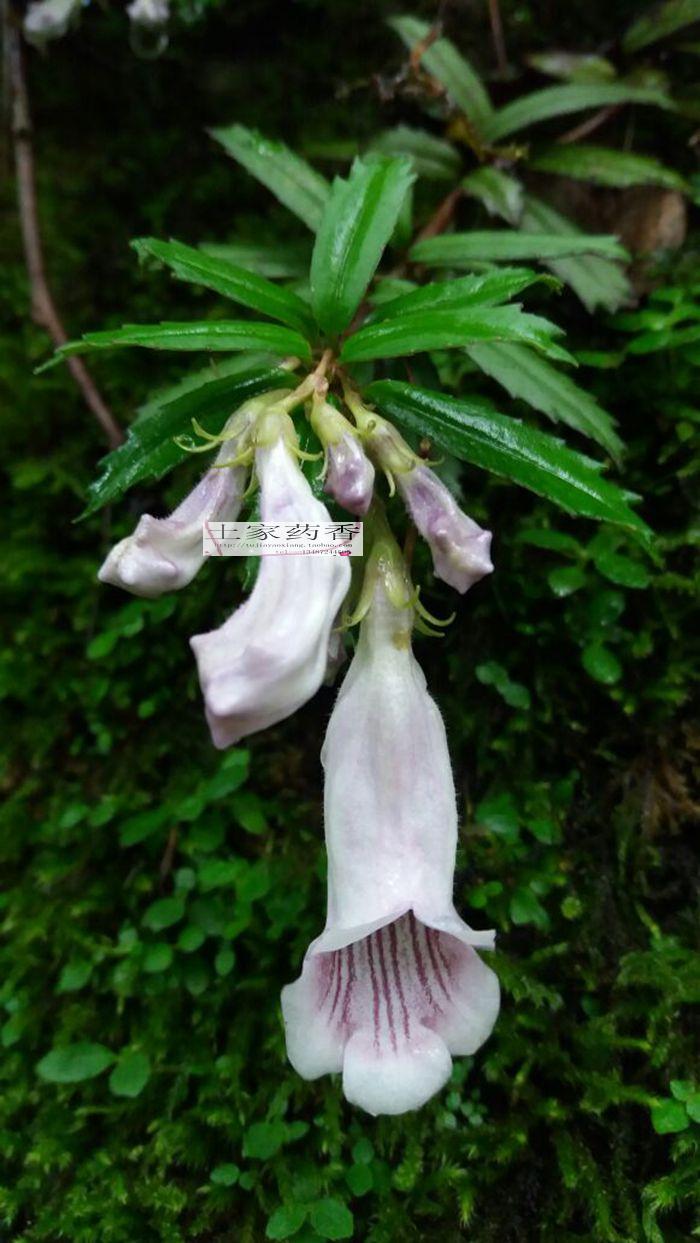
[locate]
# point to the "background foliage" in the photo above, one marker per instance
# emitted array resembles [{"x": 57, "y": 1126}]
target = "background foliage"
[{"x": 156, "y": 895}]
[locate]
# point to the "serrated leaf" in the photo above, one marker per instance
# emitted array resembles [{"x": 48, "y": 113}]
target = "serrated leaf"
[
  {"x": 226, "y": 278},
  {"x": 662, "y": 21},
  {"x": 499, "y": 193},
  {"x": 216, "y": 335},
  {"x": 431, "y": 157},
  {"x": 441, "y": 329},
  {"x": 455, "y": 250},
  {"x": 358, "y": 221},
  {"x": 149, "y": 452},
  {"x": 484, "y": 289},
  {"x": 605, "y": 167},
  {"x": 294, "y": 182},
  {"x": 449, "y": 67},
  {"x": 533, "y": 379},
  {"x": 74, "y": 1063},
  {"x": 593, "y": 279},
  {"x": 130, "y": 1075},
  {"x": 557, "y": 101},
  {"x": 508, "y": 447},
  {"x": 272, "y": 259}
]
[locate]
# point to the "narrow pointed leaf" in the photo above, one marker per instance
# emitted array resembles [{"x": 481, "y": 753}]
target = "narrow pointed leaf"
[
  {"x": 660, "y": 22},
  {"x": 484, "y": 289},
  {"x": 510, "y": 448},
  {"x": 150, "y": 451},
  {"x": 246, "y": 288},
  {"x": 294, "y": 182},
  {"x": 595, "y": 280},
  {"x": 447, "y": 329},
  {"x": 455, "y": 250},
  {"x": 359, "y": 220},
  {"x": 431, "y": 157},
  {"x": 218, "y": 335},
  {"x": 605, "y": 167},
  {"x": 452, "y": 70},
  {"x": 528, "y": 376},
  {"x": 500, "y": 194},
  {"x": 281, "y": 260},
  {"x": 557, "y": 101}
]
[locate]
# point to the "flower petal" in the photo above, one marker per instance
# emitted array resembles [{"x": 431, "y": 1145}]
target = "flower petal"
[{"x": 460, "y": 548}]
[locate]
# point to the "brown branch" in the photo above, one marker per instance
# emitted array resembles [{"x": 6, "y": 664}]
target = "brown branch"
[
  {"x": 499, "y": 43},
  {"x": 442, "y": 216},
  {"x": 43, "y": 308},
  {"x": 590, "y": 125}
]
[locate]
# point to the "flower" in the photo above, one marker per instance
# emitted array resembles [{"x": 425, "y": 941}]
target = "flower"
[
  {"x": 349, "y": 477},
  {"x": 393, "y": 986},
  {"x": 271, "y": 655},
  {"x": 164, "y": 554},
  {"x": 49, "y": 19},
  {"x": 151, "y": 13},
  {"x": 459, "y": 547}
]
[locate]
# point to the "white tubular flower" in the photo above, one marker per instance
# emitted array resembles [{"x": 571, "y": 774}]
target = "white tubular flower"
[
  {"x": 164, "y": 554},
  {"x": 49, "y": 19},
  {"x": 393, "y": 986},
  {"x": 271, "y": 655},
  {"x": 150, "y": 13},
  {"x": 349, "y": 475},
  {"x": 461, "y": 549}
]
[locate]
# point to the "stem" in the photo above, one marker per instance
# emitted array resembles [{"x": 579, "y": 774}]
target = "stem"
[
  {"x": 591, "y": 125},
  {"x": 43, "y": 308},
  {"x": 499, "y": 44}
]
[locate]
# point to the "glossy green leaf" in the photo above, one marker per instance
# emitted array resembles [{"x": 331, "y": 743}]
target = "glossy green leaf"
[
  {"x": 557, "y": 101},
  {"x": 669, "y": 1117},
  {"x": 510, "y": 448},
  {"x": 601, "y": 664},
  {"x": 455, "y": 250},
  {"x": 74, "y": 1063},
  {"x": 660, "y": 22},
  {"x": 484, "y": 289},
  {"x": 130, "y": 1075},
  {"x": 449, "y": 328},
  {"x": 533, "y": 379},
  {"x": 442, "y": 60},
  {"x": 501, "y": 194},
  {"x": 431, "y": 157},
  {"x": 149, "y": 451},
  {"x": 359, "y": 220},
  {"x": 216, "y": 335},
  {"x": 605, "y": 167},
  {"x": 594, "y": 280},
  {"x": 233, "y": 282},
  {"x": 294, "y": 182},
  {"x": 280, "y": 260}
]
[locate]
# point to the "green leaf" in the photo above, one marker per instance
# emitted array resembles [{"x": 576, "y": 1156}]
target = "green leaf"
[
  {"x": 130, "y": 1075},
  {"x": 566, "y": 579},
  {"x": 669, "y": 1117},
  {"x": 74, "y": 976},
  {"x": 455, "y": 250},
  {"x": 225, "y": 278},
  {"x": 620, "y": 569},
  {"x": 447, "y": 329},
  {"x": 533, "y": 379},
  {"x": 508, "y": 447},
  {"x": 431, "y": 157},
  {"x": 484, "y": 289},
  {"x": 263, "y": 1139},
  {"x": 286, "y": 1221},
  {"x": 514, "y": 693},
  {"x": 500, "y": 194},
  {"x": 209, "y": 396},
  {"x": 225, "y": 1175},
  {"x": 281, "y": 260},
  {"x": 557, "y": 101},
  {"x": 157, "y": 958},
  {"x": 164, "y": 913},
  {"x": 359, "y": 220},
  {"x": 661, "y": 22},
  {"x": 331, "y": 1219},
  {"x": 572, "y": 66},
  {"x": 605, "y": 167},
  {"x": 444, "y": 62},
  {"x": 210, "y": 334},
  {"x": 601, "y": 664},
  {"x": 294, "y": 182},
  {"x": 692, "y": 1106},
  {"x": 593, "y": 279},
  {"x": 526, "y": 908},
  {"x": 359, "y": 1179},
  {"x": 74, "y": 1063}
]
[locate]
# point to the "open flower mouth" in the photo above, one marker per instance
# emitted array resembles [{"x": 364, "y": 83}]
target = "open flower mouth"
[{"x": 389, "y": 1010}]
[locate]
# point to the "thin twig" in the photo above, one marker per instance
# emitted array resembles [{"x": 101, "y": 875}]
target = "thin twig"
[
  {"x": 499, "y": 43},
  {"x": 591, "y": 125},
  {"x": 43, "y": 308},
  {"x": 442, "y": 216}
]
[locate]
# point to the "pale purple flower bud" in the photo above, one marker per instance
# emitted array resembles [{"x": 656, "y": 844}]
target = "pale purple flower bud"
[
  {"x": 164, "y": 554},
  {"x": 393, "y": 987},
  {"x": 460, "y": 548},
  {"x": 271, "y": 655},
  {"x": 49, "y": 19},
  {"x": 349, "y": 475}
]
